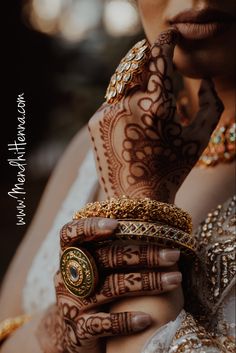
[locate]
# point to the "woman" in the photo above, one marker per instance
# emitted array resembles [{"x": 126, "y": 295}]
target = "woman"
[{"x": 196, "y": 45}]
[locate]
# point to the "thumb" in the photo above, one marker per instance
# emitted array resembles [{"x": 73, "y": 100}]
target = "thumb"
[
  {"x": 160, "y": 68},
  {"x": 208, "y": 115},
  {"x": 210, "y": 108}
]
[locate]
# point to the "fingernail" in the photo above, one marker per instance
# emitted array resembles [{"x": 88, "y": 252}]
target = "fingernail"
[
  {"x": 171, "y": 255},
  {"x": 172, "y": 278},
  {"x": 140, "y": 321},
  {"x": 107, "y": 224}
]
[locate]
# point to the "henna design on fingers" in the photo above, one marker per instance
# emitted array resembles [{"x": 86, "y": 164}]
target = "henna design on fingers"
[
  {"x": 103, "y": 325},
  {"x": 85, "y": 230},
  {"x": 121, "y": 256},
  {"x": 80, "y": 330},
  {"x": 121, "y": 323},
  {"x": 151, "y": 280},
  {"x": 120, "y": 284},
  {"x": 114, "y": 286},
  {"x": 169, "y": 36}
]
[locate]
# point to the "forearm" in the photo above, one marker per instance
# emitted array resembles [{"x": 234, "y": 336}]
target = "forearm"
[
  {"x": 162, "y": 308},
  {"x": 39, "y": 335}
]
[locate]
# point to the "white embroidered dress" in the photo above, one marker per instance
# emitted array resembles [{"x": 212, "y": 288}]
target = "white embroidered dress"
[{"x": 174, "y": 337}]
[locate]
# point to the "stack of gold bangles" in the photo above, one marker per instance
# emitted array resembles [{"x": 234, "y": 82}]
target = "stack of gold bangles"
[{"x": 138, "y": 220}]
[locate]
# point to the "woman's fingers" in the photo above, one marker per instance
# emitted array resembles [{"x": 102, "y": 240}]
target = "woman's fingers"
[
  {"x": 210, "y": 110},
  {"x": 94, "y": 326},
  {"x": 210, "y": 106},
  {"x": 160, "y": 99},
  {"x": 119, "y": 256},
  {"x": 138, "y": 283},
  {"x": 85, "y": 230},
  {"x": 83, "y": 327},
  {"x": 119, "y": 285},
  {"x": 161, "y": 60},
  {"x": 164, "y": 48}
]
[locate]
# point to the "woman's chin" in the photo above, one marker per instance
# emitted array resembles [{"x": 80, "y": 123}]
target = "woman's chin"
[
  {"x": 196, "y": 69},
  {"x": 202, "y": 65},
  {"x": 194, "y": 72}
]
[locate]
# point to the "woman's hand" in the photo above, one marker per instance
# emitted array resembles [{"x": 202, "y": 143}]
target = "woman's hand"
[
  {"x": 141, "y": 148},
  {"x": 83, "y": 322}
]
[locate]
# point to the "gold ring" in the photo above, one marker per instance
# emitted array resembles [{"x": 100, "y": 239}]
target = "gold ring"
[
  {"x": 129, "y": 66},
  {"x": 79, "y": 271}
]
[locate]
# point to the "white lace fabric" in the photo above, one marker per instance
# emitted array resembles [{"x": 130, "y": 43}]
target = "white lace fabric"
[
  {"x": 38, "y": 292},
  {"x": 161, "y": 340}
]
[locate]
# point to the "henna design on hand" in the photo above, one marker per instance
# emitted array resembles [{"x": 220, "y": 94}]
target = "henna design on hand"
[
  {"x": 121, "y": 256},
  {"x": 51, "y": 332},
  {"x": 141, "y": 148},
  {"x": 103, "y": 325},
  {"x": 86, "y": 230},
  {"x": 82, "y": 327},
  {"x": 119, "y": 284}
]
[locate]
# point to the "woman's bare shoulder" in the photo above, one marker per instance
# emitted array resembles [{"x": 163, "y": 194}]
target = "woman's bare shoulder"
[{"x": 56, "y": 189}]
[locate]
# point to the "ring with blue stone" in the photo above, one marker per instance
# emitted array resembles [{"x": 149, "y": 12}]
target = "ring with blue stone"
[{"x": 79, "y": 271}]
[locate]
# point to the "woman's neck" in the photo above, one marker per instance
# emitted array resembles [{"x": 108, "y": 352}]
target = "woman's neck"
[{"x": 225, "y": 90}]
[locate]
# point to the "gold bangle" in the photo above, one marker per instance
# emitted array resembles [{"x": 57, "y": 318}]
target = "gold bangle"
[
  {"x": 139, "y": 209},
  {"x": 158, "y": 233},
  {"x": 8, "y": 326}
]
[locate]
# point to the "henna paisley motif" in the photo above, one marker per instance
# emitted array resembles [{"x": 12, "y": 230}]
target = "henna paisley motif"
[{"x": 142, "y": 148}]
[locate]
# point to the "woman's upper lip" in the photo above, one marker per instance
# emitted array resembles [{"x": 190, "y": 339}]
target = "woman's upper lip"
[{"x": 202, "y": 16}]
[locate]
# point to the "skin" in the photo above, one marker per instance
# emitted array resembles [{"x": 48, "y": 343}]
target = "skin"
[
  {"x": 192, "y": 62},
  {"x": 193, "y": 59},
  {"x": 197, "y": 200},
  {"x": 76, "y": 324},
  {"x": 141, "y": 148}
]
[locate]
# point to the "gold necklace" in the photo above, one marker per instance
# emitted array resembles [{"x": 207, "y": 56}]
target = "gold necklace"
[{"x": 221, "y": 147}]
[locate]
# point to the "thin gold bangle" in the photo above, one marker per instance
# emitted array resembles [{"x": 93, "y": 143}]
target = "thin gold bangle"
[{"x": 8, "y": 326}]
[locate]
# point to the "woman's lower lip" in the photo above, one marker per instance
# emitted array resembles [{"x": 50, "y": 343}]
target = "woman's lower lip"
[{"x": 197, "y": 31}]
